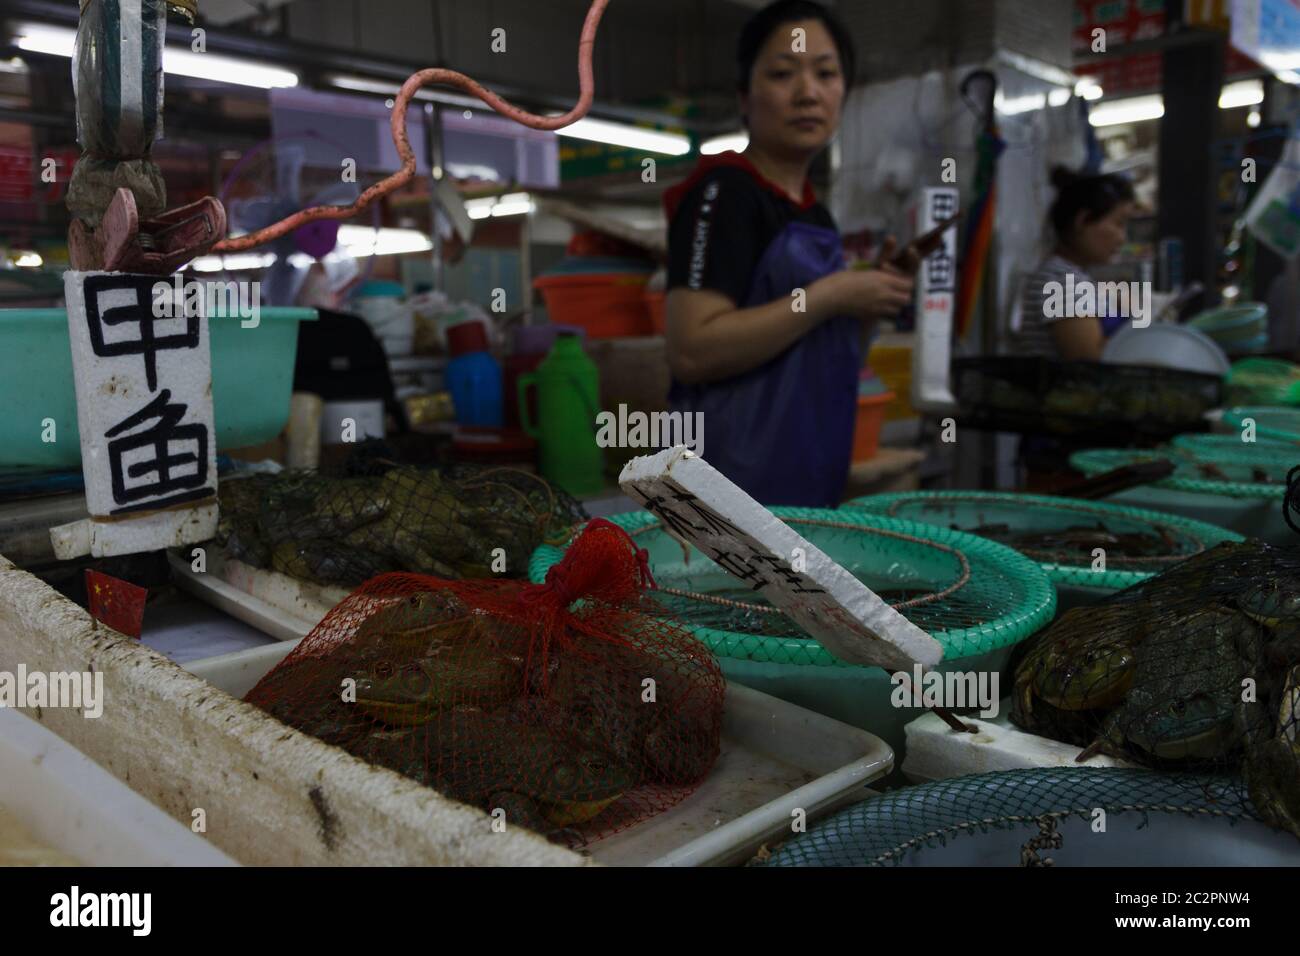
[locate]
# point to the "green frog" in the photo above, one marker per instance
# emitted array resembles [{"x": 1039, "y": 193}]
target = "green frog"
[
  {"x": 1187, "y": 685},
  {"x": 1085, "y": 661},
  {"x": 603, "y": 691},
  {"x": 412, "y": 693},
  {"x": 1271, "y": 605},
  {"x": 543, "y": 779},
  {"x": 424, "y": 660},
  {"x": 1271, "y": 767},
  {"x": 417, "y": 621}
]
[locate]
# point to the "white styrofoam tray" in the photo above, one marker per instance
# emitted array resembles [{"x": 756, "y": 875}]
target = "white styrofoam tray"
[
  {"x": 276, "y": 604},
  {"x": 776, "y": 758},
  {"x": 937, "y": 752},
  {"x": 69, "y": 802}
]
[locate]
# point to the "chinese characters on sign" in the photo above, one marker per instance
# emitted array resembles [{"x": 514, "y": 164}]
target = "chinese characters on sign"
[
  {"x": 144, "y": 407},
  {"x": 699, "y": 506},
  {"x": 130, "y": 328},
  {"x": 936, "y": 300},
  {"x": 744, "y": 559}
]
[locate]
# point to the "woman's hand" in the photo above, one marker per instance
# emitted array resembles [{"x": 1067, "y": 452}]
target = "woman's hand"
[
  {"x": 910, "y": 261},
  {"x": 868, "y": 294}
]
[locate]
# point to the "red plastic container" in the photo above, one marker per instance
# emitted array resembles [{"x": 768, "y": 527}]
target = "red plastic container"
[
  {"x": 871, "y": 418},
  {"x": 608, "y": 306}
]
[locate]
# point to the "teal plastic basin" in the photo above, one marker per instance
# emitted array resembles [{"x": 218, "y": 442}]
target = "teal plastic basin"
[{"x": 252, "y": 379}]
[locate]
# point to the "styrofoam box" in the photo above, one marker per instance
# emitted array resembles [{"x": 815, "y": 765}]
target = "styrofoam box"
[
  {"x": 776, "y": 758},
  {"x": 936, "y": 752},
  {"x": 69, "y": 802}
]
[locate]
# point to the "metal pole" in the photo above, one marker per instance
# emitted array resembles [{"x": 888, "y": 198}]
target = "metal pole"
[{"x": 433, "y": 139}]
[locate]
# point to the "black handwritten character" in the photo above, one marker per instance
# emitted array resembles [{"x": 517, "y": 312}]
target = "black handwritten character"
[
  {"x": 737, "y": 566},
  {"x": 161, "y": 451},
  {"x": 940, "y": 272},
  {"x": 712, "y": 520},
  {"x": 114, "y": 301},
  {"x": 942, "y": 206},
  {"x": 658, "y": 506},
  {"x": 788, "y": 574}
]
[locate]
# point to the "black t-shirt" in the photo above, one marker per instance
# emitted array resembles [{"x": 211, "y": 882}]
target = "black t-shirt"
[
  {"x": 724, "y": 224},
  {"x": 782, "y": 431}
]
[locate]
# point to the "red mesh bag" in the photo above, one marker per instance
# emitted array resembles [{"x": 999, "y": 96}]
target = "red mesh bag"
[{"x": 566, "y": 705}]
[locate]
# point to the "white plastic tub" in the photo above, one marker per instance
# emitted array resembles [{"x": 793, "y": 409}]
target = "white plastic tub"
[
  {"x": 937, "y": 752},
  {"x": 68, "y": 802}
]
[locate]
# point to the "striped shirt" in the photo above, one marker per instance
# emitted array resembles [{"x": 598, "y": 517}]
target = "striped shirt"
[{"x": 1034, "y": 335}]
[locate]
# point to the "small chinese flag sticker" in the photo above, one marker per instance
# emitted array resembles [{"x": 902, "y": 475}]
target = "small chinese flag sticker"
[{"x": 118, "y": 604}]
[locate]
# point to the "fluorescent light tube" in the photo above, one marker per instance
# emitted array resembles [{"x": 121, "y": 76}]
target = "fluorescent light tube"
[
  {"x": 1132, "y": 110},
  {"x": 631, "y": 137},
  {"x": 360, "y": 84},
  {"x": 1089, "y": 89},
  {"x": 361, "y": 241},
  {"x": 1015, "y": 105},
  {"x": 738, "y": 142},
  {"x": 1242, "y": 93},
  {"x": 60, "y": 41}
]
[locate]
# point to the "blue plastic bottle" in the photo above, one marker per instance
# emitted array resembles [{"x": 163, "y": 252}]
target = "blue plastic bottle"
[{"x": 474, "y": 377}]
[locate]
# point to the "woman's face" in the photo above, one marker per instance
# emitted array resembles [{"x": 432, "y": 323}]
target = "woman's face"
[
  {"x": 794, "y": 99},
  {"x": 1100, "y": 240}
]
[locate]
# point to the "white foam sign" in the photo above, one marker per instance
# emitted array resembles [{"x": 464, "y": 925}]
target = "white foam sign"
[
  {"x": 144, "y": 410},
  {"x": 698, "y": 505}
]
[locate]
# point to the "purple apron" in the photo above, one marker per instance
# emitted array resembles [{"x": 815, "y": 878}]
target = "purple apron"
[{"x": 784, "y": 431}]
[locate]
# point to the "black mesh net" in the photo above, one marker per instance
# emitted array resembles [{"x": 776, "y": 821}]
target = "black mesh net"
[
  {"x": 1042, "y": 817},
  {"x": 1197, "y": 670},
  {"x": 344, "y": 530}
]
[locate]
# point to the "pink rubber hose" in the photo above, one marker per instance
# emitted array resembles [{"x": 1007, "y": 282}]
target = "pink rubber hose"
[{"x": 443, "y": 77}]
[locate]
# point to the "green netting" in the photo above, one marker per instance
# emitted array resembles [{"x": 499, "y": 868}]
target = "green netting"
[
  {"x": 973, "y": 596},
  {"x": 1061, "y": 533},
  {"x": 1031, "y": 817},
  {"x": 1237, "y": 470},
  {"x": 1270, "y": 422},
  {"x": 1216, "y": 447}
]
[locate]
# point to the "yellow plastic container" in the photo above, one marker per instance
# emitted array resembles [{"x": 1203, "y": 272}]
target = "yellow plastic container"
[{"x": 893, "y": 366}]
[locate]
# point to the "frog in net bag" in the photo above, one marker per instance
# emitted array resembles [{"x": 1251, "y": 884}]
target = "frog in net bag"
[
  {"x": 1197, "y": 670},
  {"x": 567, "y": 705}
]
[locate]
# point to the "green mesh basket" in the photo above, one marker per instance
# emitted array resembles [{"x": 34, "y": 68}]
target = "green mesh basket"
[
  {"x": 1238, "y": 470},
  {"x": 1264, "y": 381},
  {"x": 971, "y": 595},
  {"x": 1217, "y": 447},
  {"x": 1282, "y": 424},
  {"x": 1061, "y": 533},
  {"x": 1028, "y": 817}
]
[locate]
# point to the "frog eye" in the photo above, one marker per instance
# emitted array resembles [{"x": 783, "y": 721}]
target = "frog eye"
[
  {"x": 414, "y": 679},
  {"x": 384, "y": 669},
  {"x": 1178, "y": 707},
  {"x": 563, "y": 774}
]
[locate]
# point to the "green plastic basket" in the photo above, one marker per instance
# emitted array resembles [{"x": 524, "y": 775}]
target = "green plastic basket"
[
  {"x": 1044, "y": 513},
  {"x": 252, "y": 380},
  {"x": 1237, "y": 465},
  {"x": 1226, "y": 446},
  {"x": 1264, "y": 381},
  {"x": 1282, "y": 424},
  {"x": 1007, "y": 598}
]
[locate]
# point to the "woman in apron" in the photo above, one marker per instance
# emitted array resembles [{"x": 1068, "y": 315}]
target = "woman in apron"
[{"x": 766, "y": 327}]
